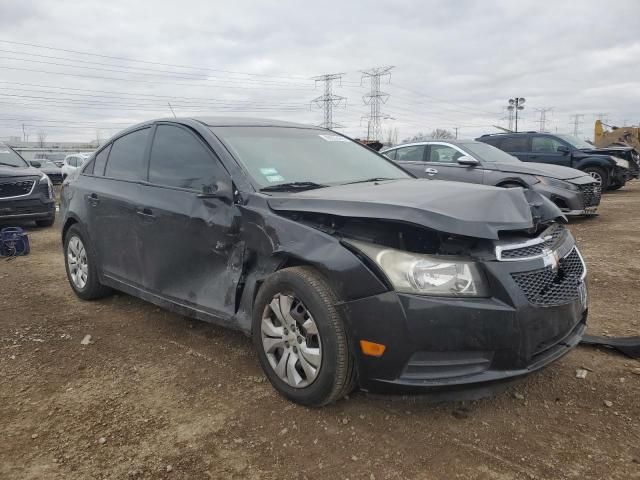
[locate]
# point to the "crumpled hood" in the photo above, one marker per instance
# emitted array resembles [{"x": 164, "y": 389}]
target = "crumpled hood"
[
  {"x": 612, "y": 150},
  {"x": 458, "y": 208},
  {"x": 18, "y": 171},
  {"x": 542, "y": 169}
]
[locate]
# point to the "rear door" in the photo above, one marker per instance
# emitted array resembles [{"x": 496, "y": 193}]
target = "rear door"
[
  {"x": 544, "y": 149},
  {"x": 442, "y": 164},
  {"x": 412, "y": 158},
  {"x": 113, "y": 195},
  {"x": 517, "y": 145},
  {"x": 192, "y": 254}
]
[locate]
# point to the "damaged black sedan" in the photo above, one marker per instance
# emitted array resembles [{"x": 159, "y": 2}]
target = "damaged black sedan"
[{"x": 344, "y": 269}]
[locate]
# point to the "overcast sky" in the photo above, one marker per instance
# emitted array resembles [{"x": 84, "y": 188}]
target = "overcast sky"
[{"x": 110, "y": 64}]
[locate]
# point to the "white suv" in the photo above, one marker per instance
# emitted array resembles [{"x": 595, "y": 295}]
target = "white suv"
[{"x": 72, "y": 163}]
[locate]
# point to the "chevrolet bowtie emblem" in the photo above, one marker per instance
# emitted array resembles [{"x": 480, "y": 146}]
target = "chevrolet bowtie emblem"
[{"x": 552, "y": 259}]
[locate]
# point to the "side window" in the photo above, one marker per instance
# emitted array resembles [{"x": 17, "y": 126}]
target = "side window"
[
  {"x": 517, "y": 143},
  {"x": 97, "y": 167},
  {"x": 179, "y": 159},
  {"x": 545, "y": 144},
  {"x": 391, "y": 154},
  {"x": 410, "y": 154},
  {"x": 443, "y": 154},
  {"x": 127, "y": 156}
]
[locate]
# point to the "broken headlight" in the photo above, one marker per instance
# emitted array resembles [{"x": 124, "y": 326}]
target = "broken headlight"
[
  {"x": 621, "y": 162},
  {"x": 554, "y": 182},
  {"x": 426, "y": 274}
]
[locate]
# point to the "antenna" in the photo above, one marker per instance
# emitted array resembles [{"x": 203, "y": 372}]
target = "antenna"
[{"x": 174, "y": 113}]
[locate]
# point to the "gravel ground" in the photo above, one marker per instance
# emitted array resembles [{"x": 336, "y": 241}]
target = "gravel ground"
[{"x": 157, "y": 395}]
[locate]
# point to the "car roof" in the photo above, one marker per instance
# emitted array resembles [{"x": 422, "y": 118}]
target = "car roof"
[{"x": 452, "y": 141}]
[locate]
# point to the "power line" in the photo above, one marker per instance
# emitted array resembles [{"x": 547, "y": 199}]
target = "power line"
[
  {"x": 328, "y": 100},
  {"x": 133, "y": 60},
  {"x": 375, "y": 98}
]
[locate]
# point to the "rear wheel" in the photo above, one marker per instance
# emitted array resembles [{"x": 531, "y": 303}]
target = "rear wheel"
[
  {"x": 600, "y": 175},
  {"x": 301, "y": 338},
  {"x": 80, "y": 266}
]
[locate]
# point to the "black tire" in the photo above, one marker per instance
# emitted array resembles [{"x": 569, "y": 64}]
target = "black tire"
[
  {"x": 336, "y": 374},
  {"x": 93, "y": 289},
  {"x": 599, "y": 174},
  {"x": 47, "y": 222},
  {"x": 616, "y": 186}
]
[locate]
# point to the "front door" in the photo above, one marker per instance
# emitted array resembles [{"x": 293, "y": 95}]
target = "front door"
[
  {"x": 443, "y": 165},
  {"x": 544, "y": 149},
  {"x": 191, "y": 251},
  {"x": 412, "y": 158}
]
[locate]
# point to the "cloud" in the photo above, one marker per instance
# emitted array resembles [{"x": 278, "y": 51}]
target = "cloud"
[{"x": 456, "y": 63}]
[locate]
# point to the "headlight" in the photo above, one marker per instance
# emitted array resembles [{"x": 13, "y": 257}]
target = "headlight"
[
  {"x": 45, "y": 179},
  {"x": 426, "y": 274},
  {"x": 554, "y": 182},
  {"x": 621, "y": 162}
]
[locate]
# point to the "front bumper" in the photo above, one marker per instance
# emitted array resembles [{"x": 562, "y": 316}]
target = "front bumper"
[
  {"x": 435, "y": 343},
  {"x": 584, "y": 201},
  {"x": 620, "y": 176},
  {"x": 33, "y": 207}
]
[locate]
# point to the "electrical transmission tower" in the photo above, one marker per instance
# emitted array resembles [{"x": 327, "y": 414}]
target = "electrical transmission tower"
[
  {"x": 328, "y": 100},
  {"x": 576, "y": 123},
  {"x": 543, "y": 117},
  {"x": 374, "y": 99}
]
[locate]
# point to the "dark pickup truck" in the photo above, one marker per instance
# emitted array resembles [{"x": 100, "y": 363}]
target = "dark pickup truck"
[{"x": 613, "y": 166}]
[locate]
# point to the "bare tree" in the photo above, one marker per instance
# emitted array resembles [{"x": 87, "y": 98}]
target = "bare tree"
[
  {"x": 42, "y": 138},
  {"x": 441, "y": 133},
  {"x": 419, "y": 137},
  {"x": 392, "y": 136}
]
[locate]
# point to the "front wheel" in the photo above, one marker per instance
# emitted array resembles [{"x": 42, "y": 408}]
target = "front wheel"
[
  {"x": 301, "y": 338},
  {"x": 599, "y": 174}
]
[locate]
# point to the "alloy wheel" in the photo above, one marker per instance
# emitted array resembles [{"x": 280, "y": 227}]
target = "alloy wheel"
[
  {"x": 291, "y": 341},
  {"x": 596, "y": 176},
  {"x": 77, "y": 262}
]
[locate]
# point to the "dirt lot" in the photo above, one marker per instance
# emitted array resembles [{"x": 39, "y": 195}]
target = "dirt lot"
[{"x": 157, "y": 395}]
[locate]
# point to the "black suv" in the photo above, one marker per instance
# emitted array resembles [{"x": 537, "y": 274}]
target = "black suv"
[
  {"x": 25, "y": 192},
  {"x": 567, "y": 150},
  {"x": 343, "y": 267}
]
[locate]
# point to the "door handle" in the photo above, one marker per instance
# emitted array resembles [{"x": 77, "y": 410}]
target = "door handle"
[
  {"x": 430, "y": 171},
  {"x": 145, "y": 212},
  {"x": 93, "y": 199}
]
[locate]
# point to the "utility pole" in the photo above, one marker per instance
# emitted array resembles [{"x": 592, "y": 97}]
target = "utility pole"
[
  {"x": 603, "y": 117},
  {"x": 516, "y": 104},
  {"x": 375, "y": 98},
  {"x": 543, "y": 117},
  {"x": 456, "y": 129},
  {"x": 328, "y": 100},
  {"x": 576, "y": 123}
]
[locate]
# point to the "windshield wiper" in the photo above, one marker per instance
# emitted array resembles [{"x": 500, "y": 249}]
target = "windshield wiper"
[
  {"x": 292, "y": 186},
  {"x": 374, "y": 179},
  {"x": 9, "y": 164}
]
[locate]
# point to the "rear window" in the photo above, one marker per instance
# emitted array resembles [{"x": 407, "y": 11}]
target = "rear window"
[
  {"x": 127, "y": 156},
  {"x": 97, "y": 166},
  {"x": 515, "y": 144}
]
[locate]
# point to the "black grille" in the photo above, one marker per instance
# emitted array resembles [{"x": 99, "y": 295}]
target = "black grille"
[
  {"x": 553, "y": 287},
  {"x": 524, "y": 252},
  {"x": 15, "y": 188},
  {"x": 591, "y": 194},
  {"x": 551, "y": 236}
]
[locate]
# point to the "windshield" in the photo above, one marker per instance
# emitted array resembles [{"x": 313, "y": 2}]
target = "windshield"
[
  {"x": 575, "y": 141},
  {"x": 9, "y": 158},
  {"x": 278, "y": 155},
  {"x": 488, "y": 153}
]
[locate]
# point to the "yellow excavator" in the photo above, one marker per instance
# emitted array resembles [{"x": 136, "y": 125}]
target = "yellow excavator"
[{"x": 623, "y": 142}]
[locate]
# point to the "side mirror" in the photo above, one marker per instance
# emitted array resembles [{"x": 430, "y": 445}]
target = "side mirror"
[
  {"x": 563, "y": 149},
  {"x": 35, "y": 164},
  {"x": 215, "y": 191},
  {"x": 468, "y": 161}
]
